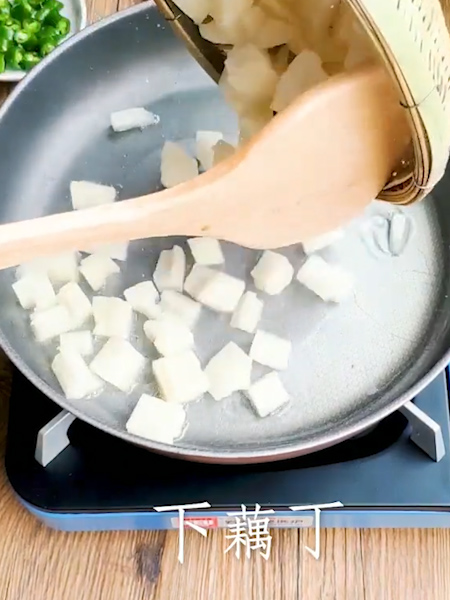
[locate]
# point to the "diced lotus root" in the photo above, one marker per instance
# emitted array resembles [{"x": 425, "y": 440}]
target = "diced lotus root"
[
  {"x": 157, "y": 420},
  {"x": 304, "y": 72},
  {"x": 197, "y": 10},
  {"x": 205, "y": 143},
  {"x": 176, "y": 165},
  {"x": 117, "y": 251},
  {"x": 74, "y": 376},
  {"x": 96, "y": 269},
  {"x": 206, "y": 251},
  {"x": 119, "y": 364},
  {"x": 248, "y": 313},
  {"x": 273, "y": 273},
  {"x": 222, "y": 292},
  {"x": 113, "y": 317},
  {"x": 34, "y": 291},
  {"x": 86, "y": 194},
  {"x": 77, "y": 303},
  {"x": 197, "y": 279},
  {"x": 322, "y": 241},
  {"x": 60, "y": 268},
  {"x": 132, "y": 118},
  {"x": 228, "y": 371},
  {"x": 180, "y": 377},
  {"x": 51, "y": 322},
  {"x": 170, "y": 270},
  {"x": 80, "y": 342},
  {"x": 270, "y": 350},
  {"x": 171, "y": 336},
  {"x": 332, "y": 283},
  {"x": 184, "y": 308},
  {"x": 268, "y": 395},
  {"x": 144, "y": 298}
]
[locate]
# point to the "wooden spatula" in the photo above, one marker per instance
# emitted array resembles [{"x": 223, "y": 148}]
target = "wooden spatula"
[{"x": 313, "y": 168}]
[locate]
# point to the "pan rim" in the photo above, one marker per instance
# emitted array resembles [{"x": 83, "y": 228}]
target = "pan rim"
[{"x": 263, "y": 455}]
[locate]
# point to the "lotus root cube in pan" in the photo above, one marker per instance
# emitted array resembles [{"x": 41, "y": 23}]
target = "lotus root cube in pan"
[{"x": 351, "y": 362}]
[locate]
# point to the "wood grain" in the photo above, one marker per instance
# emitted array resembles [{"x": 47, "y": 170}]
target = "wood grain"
[{"x": 39, "y": 564}]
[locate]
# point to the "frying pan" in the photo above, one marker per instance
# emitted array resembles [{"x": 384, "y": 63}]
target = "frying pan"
[{"x": 351, "y": 364}]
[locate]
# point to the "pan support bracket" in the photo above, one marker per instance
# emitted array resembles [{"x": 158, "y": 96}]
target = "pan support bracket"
[
  {"x": 425, "y": 433},
  {"x": 52, "y": 439}
]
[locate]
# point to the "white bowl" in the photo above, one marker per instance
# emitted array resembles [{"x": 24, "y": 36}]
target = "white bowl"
[{"x": 76, "y": 12}]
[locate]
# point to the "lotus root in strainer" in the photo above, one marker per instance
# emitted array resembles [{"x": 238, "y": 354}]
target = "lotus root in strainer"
[{"x": 409, "y": 36}]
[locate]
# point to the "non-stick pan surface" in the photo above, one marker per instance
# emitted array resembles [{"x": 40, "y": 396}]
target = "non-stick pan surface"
[{"x": 351, "y": 364}]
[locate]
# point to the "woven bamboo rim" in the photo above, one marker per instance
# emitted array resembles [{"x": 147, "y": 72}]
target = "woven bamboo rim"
[{"x": 413, "y": 41}]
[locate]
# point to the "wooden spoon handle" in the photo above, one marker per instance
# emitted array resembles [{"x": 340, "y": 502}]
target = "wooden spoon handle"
[
  {"x": 184, "y": 210},
  {"x": 120, "y": 222},
  {"x": 313, "y": 168}
]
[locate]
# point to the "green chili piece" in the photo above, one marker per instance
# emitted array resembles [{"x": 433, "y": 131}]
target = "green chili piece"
[
  {"x": 53, "y": 16},
  {"x": 42, "y": 14},
  {"x": 63, "y": 26},
  {"x": 47, "y": 32},
  {"x": 6, "y": 32},
  {"x": 53, "y": 5},
  {"x": 31, "y": 26},
  {"x": 31, "y": 44},
  {"x": 21, "y": 36},
  {"x": 22, "y": 11},
  {"x": 14, "y": 57},
  {"x": 47, "y": 35},
  {"x": 14, "y": 26},
  {"x": 5, "y": 43},
  {"x": 30, "y": 30},
  {"x": 46, "y": 48},
  {"x": 29, "y": 60}
]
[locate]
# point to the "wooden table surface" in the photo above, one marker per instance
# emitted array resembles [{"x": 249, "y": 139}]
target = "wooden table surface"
[{"x": 39, "y": 564}]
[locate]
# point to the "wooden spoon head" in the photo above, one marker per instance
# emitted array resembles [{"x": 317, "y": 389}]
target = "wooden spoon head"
[{"x": 317, "y": 165}]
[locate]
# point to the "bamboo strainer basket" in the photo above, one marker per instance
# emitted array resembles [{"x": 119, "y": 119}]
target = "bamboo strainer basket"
[{"x": 412, "y": 41}]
